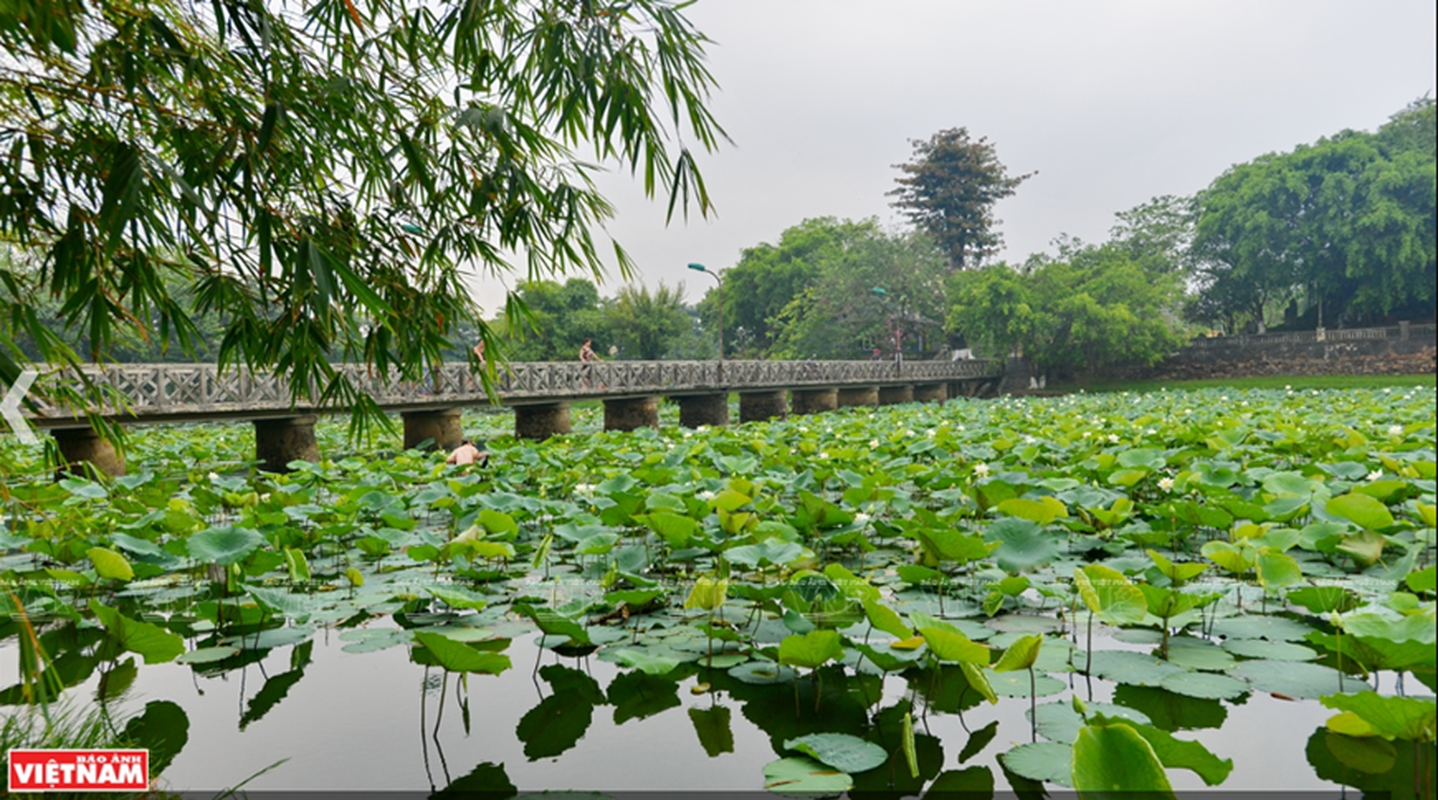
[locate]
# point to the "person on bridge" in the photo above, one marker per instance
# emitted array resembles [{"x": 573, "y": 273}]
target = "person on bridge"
[
  {"x": 586, "y": 352},
  {"x": 468, "y": 453}
]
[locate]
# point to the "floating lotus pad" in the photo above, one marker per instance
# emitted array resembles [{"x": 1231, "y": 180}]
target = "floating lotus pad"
[
  {"x": 1048, "y": 762},
  {"x": 1023, "y": 624},
  {"x": 1261, "y": 627},
  {"x": 1122, "y": 666},
  {"x": 1273, "y": 651},
  {"x": 1294, "y": 678},
  {"x": 1016, "y": 684},
  {"x": 841, "y": 751},
  {"x": 1205, "y": 685},
  {"x": 804, "y": 777},
  {"x": 762, "y": 672},
  {"x": 1205, "y": 656},
  {"x": 1058, "y": 722}
]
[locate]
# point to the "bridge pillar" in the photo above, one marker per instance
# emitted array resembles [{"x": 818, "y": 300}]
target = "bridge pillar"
[
  {"x": 628, "y": 413},
  {"x": 931, "y": 392},
  {"x": 442, "y": 426},
  {"x": 84, "y": 445},
  {"x": 760, "y": 406},
  {"x": 961, "y": 389},
  {"x": 280, "y": 441},
  {"x": 813, "y": 401},
  {"x": 541, "y": 421},
  {"x": 849, "y": 396},
  {"x": 703, "y": 409},
  {"x": 893, "y": 395}
]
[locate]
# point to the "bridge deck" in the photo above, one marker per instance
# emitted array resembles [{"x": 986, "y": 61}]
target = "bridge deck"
[{"x": 160, "y": 393}]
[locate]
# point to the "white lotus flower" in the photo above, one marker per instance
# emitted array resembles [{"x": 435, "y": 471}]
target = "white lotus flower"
[
  {"x": 1165, "y": 484},
  {"x": 874, "y": 443},
  {"x": 823, "y": 454},
  {"x": 1087, "y": 434},
  {"x": 705, "y": 495},
  {"x": 861, "y": 518},
  {"x": 1029, "y": 440},
  {"x": 1375, "y": 474},
  {"x": 1395, "y": 430},
  {"x": 981, "y": 469},
  {"x": 961, "y": 427},
  {"x": 1113, "y": 438},
  {"x": 214, "y": 476},
  {"x": 1224, "y": 398},
  {"x": 930, "y": 433},
  {"x": 584, "y": 488}
]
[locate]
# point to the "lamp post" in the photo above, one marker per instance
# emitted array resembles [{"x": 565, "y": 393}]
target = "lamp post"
[{"x": 719, "y": 284}]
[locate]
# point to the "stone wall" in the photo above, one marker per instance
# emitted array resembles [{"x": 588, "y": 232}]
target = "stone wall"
[{"x": 1400, "y": 350}]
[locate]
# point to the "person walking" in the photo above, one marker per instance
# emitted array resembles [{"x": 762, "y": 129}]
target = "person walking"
[{"x": 587, "y": 357}]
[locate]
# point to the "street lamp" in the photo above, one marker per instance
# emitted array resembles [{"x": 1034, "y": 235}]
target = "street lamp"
[{"x": 719, "y": 283}]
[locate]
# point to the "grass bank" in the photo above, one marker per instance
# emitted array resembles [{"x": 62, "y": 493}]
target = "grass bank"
[{"x": 1267, "y": 382}]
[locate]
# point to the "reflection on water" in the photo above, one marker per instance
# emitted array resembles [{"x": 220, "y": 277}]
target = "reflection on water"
[{"x": 316, "y": 717}]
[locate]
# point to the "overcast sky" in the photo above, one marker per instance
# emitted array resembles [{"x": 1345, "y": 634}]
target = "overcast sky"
[{"x": 1111, "y": 102}]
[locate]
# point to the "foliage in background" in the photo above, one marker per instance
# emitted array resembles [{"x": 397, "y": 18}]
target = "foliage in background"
[
  {"x": 839, "y": 315},
  {"x": 1337, "y": 232},
  {"x": 949, "y": 189},
  {"x": 768, "y": 277},
  {"x": 324, "y": 178}
]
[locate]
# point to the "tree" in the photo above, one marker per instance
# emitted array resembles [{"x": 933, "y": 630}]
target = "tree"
[
  {"x": 556, "y": 320},
  {"x": 769, "y": 276},
  {"x": 649, "y": 326},
  {"x": 840, "y": 315},
  {"x": 323, "y": 175},
  {"x": 949, "y": 189},
  {"x": 1095, "y": 308},
  {"x": 1345, "y": 225}
]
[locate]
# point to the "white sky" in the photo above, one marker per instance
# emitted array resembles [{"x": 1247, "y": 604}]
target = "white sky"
[{"x": 1113, "y": 102}]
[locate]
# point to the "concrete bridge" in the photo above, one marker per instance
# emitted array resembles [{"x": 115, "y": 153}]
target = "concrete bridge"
[{"x": 540, "y": 394}]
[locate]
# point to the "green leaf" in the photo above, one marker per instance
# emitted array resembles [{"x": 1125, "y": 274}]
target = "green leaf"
[
  {"x": 297, "y": 565},
  {"x": 153, "y": 643},
  {"x": 979, "y": 681},
  {"x": 1043, "y": 510},
  {"x": 713, "y": 728},
  {"x": 1295, "y": 679},
  {"x": 1411, "y": 718},
  {"x": 1366, "y": 546},
  {"x": 1048, "y": 762},
  {"x": 1023, "y": 545},
  {"x": 811, "y": 650},
  {"x": 1177, "y": 753},
  {"x": 1368, "y": 512},
  {"x": 954, "y": 646},
  {"x": 110, "y": 564},
  {"x": 841, "y": 751},
  {"x": 459, "y": 657},
  {"x": 1178, "y": 573},
  {"x": 675, "y": 529},
  {"x": 1021, "y": 654},
  {"x": 708, "y": 594},
  {"x": 1276, "y": 569},
  {"x": 1115, "y": 759},
  {"x": 1110, "y": 595},
  {"x": 803, "y": 777},
  {"x": 224, "y": 545},
  {"x": 886, "y": 619}
]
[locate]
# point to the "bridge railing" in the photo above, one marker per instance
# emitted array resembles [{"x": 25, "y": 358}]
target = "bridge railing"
[{"x": 159, "y": 390}]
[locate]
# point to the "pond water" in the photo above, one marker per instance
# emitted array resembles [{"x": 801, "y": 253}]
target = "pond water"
[
  {"x": 374, "y": 721},
  {"x": 297, "y": 623}
]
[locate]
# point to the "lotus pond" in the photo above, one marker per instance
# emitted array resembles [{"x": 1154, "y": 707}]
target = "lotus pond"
[{"x": 1180, "y": 589}]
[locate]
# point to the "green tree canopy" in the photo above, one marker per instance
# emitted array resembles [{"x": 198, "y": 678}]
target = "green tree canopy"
[
  {"x": 322, "y": 172},
  {"x": 556, "y": 320},
  {"x": 649, "y": 325},
  {"x": 1346, "y": 225},
  {"x": 949, "y": 188},
  {"x": 1096, "y": 307},
  {"x": 769, "y": 276},
  {"x": 840, "y": 315}
]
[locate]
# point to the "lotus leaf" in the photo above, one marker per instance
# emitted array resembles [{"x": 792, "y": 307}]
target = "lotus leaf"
[
  {"x": 841, "y": 751},
  {"x": 1290, "y": 678}
]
